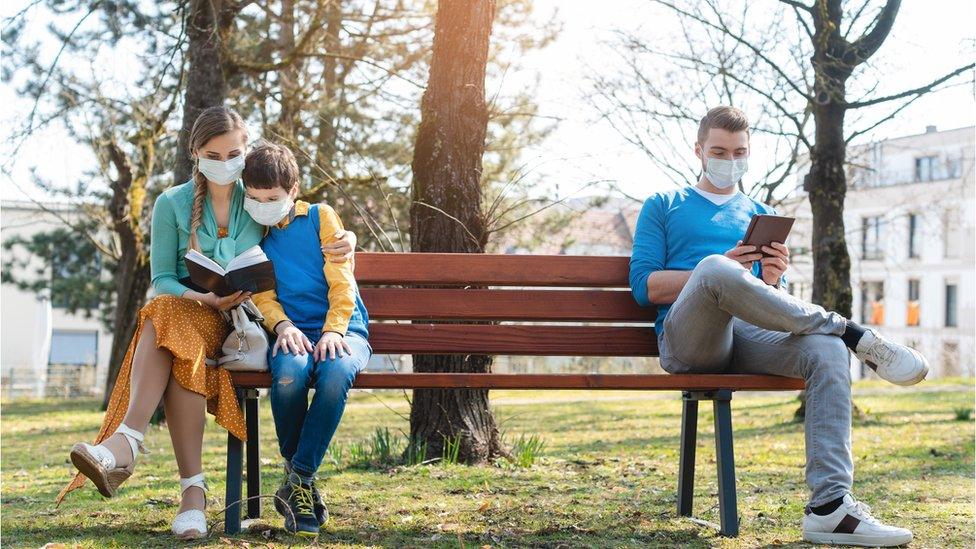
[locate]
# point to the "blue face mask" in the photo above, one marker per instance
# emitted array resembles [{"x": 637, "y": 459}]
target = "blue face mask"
[{"x": 725, "y": 173}]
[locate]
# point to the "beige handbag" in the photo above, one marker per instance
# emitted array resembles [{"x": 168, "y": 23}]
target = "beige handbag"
[{"x": 246, "y": 348}]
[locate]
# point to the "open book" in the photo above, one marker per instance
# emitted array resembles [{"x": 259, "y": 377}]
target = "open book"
[{"x": 251, "y": 271}]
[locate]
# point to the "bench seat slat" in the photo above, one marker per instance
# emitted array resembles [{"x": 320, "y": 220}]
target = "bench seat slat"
[
  {"x": 522, "y": 339},
  {"x": 478, "y": 304},
  {"x": 376, "y": 268},
  {"x": 661, "y": 382}
]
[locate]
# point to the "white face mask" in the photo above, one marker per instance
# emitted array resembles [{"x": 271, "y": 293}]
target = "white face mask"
[
  {"x": 222, "y": 173},
  {"x": 725, "y": 173},
  {"x": 268, "y": 213}
]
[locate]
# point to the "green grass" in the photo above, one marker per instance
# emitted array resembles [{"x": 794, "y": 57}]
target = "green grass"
[{"x": 605, "y": 476}]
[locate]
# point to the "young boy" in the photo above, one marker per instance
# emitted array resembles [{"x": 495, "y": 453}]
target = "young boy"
[{"x": 320, "y": 321}]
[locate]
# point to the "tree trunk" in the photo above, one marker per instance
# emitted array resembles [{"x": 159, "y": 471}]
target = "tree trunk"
[
  {"x": 205, "y": 81},
  {"x": 445, "y": 215},
  {"x": 132, "y": 285}
]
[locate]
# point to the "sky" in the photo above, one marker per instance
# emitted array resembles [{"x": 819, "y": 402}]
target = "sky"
[{"x": 929, "y": 38}]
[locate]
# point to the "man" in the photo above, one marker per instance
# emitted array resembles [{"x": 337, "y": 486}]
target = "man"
[{"x": 722, "y": 309}]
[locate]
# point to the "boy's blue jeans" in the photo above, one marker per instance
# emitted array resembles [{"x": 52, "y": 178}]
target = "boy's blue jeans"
[{"x": 305, "y": 431}]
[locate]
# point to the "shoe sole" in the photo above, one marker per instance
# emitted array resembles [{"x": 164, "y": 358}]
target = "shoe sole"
[
  {"x": 861, "y": 540},
  {"x": 92, "y": 469},
  {"x": 191, "y": 535}
]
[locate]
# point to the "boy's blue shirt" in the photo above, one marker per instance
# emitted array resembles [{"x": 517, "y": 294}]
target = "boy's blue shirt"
[
  {"x": 677, "y": 229},
  {"x": 301, "y": 286}
]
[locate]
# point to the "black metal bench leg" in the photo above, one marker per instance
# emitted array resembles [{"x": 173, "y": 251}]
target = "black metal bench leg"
[
  {"x": 232, "y": 497},
  {"x": 253, "y": 454},
  {"x": 686, "y": 463},
  {"x": 725, "y": 461}
]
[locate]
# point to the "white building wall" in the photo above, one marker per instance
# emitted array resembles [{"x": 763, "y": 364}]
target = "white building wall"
[
  {"x": 23, "y": 360},
  {"x": 885, "y": 185}
]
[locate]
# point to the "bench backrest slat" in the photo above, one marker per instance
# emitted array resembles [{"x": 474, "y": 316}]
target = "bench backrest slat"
[
  {"x": 492, "y": 270},
  {"x": 526, "y": 305},
  {"x": 495, "y": 339}
]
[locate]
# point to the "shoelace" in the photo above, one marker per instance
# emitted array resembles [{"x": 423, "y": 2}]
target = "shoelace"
[
  {"x": 864, "y": 512},
  {"x": 304, "y": 501},
  {"x": 880, "y": 352}
]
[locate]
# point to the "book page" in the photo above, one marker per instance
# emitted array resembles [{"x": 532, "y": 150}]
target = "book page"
[
  {"x": 205, "y": 262},
  {"x": 250, "y": 256}
]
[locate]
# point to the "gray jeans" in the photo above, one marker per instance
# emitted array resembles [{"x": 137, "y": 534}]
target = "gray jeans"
[{"x": 728, "y": 321}]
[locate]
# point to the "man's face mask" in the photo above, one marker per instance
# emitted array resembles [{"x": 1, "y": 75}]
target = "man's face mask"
[{"x": 725, "y": 173}]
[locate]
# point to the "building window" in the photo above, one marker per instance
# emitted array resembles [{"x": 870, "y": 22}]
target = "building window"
[
  {"x": 950, "y": 358},
  {"x": 925, "y": 167},
  {"x": 912, "y": 235},
  {"x": 74, "y": 347},
  {"x": 872, "y": 303},
  {"x": 952, "y": 232},
  {"x": 912, "y": 318},
  {"x": 871, "y": 238},
  {"x": 951, "y": 318}
]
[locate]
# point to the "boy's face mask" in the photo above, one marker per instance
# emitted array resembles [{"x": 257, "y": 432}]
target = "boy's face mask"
[
  {"x": 268, "y": 213},
  {"x": 222, "y": 173}
]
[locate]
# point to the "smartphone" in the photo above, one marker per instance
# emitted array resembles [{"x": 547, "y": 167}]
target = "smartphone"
[{"x": 764, "y": 229}]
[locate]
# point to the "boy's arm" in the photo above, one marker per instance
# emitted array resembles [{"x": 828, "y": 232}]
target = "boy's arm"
[
  {"x": 339, "y": 276},
  {"x": 267, "y": 303}
]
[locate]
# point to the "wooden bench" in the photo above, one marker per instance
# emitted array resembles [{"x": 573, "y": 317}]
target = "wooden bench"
[{"x": 537, "y": 304}]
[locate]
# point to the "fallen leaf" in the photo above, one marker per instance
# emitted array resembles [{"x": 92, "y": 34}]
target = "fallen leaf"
[{"x": 484, "y": 506}]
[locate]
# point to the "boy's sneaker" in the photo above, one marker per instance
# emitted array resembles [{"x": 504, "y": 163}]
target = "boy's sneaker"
[
  {"x": 896, "y": 363},
  {"x": 298, "y": 507},
  {"x": 321, "y": 511},
  {"x": 852, "y": 524}
]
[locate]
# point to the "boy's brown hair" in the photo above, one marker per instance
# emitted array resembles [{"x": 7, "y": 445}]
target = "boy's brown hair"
[
  {"x": 724, "y": 118},
  {"x": 269, "y": 165}
]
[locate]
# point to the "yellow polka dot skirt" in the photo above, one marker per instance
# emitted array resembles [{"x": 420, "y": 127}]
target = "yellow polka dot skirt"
[{"x": 191, "y": 331}]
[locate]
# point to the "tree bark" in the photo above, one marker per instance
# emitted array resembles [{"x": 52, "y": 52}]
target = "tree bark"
[
  {"x": 206, "y": 85},
  {"x": 446, "y": 216}
]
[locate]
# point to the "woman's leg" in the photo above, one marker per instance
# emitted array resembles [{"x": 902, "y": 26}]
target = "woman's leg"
[
  {"x": 151, "y": 368},
  {"x": 186, "y": 417}
]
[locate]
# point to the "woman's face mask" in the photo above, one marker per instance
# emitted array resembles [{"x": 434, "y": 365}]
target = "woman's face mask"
[
  {"x": 222, "y": 173},
  {"x": 268, "y": 213},
  {"x": 725, "y": 173}
]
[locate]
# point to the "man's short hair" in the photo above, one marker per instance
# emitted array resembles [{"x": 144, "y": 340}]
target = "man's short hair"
[
  {"x": 724, "y": 118},
  {"x": 269, "y": 165}
]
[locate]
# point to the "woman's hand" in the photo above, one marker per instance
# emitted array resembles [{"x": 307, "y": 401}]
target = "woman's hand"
[
  {"x": 290, "y": 340},
  {"x": 341, "y": 250},
  {"x": 330, "y": 344},
  {"x": 227, "y": 302}
]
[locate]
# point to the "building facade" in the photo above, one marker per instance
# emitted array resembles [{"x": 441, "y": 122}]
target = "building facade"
[{"x": 909, "y": 216}]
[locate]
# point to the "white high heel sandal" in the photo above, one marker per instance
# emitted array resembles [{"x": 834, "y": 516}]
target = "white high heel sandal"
[
  {"x": 99, "y": 465},
  {"x": 191, "y": 524}
]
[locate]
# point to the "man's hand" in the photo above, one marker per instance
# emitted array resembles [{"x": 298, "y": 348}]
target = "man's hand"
[
  {"x": 330, "y": 344},
  {"x": 775, "y": 263},
  {"x": 290, "y": 340},
  {"x": 744, "y": 254},
  {"x": 341, "y": 250}
]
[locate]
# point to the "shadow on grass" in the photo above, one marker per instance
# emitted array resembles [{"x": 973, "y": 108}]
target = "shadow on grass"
[{"x": 17, "y": 408}]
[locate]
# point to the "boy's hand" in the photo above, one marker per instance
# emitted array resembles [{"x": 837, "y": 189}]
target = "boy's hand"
[
  {"x": 744, "y": 254},
  {"x": 290, "y": 340},
  {"x": 329, "y": 345},
  {"x": 342, "y": 249},
  {"x": 775, "y": 263}
]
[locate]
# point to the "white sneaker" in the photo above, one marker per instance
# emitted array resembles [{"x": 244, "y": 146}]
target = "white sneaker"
[
  {"x": 894, "y": 362},
  {"x": 852, "y": 524}
]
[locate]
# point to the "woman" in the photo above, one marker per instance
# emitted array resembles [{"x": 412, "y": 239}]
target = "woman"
[{"x": 181, "y": 327}]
